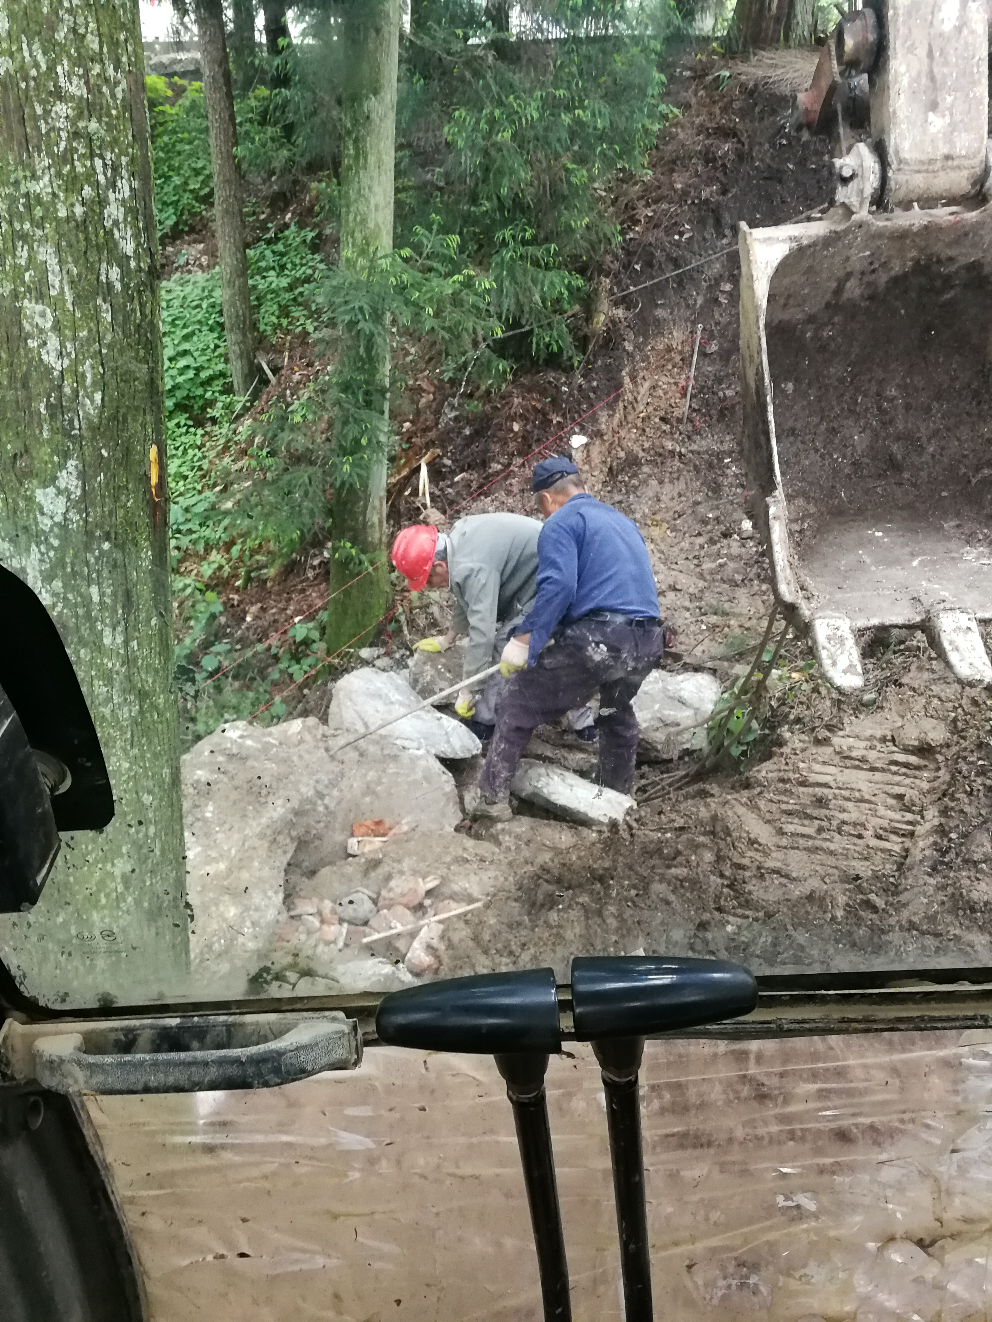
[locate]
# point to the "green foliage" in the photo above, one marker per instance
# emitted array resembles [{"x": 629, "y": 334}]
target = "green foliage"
[
  {"x": 181, "y": 147},
  {"x": 283, "y": 271},
  {"x": 514, "y": 145},
  {"x": 426, "y": 290},
  {"x": 216, "y": 683},
  {"x": 286, "y": 497},
  {"x": 196, "y": 370},
  {"x": 184, "y": 186},
  {"x": 323, "y": 442},
  {"x": 742, "y": 715}
]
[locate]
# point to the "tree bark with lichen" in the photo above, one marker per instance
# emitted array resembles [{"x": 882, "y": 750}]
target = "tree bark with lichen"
[
  {"x": 83, "y": 502},
  {"x": 370, "y": 36}
]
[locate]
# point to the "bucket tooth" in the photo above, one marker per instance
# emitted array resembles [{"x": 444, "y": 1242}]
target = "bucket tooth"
[
  {"x": 836, "y": 649},
  {"x": 957, "y": 640}
]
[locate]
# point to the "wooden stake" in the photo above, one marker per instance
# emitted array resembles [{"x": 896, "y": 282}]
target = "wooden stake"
[
  {"x": 422, "y": 922},
  {"x": 692, "y": 376}
]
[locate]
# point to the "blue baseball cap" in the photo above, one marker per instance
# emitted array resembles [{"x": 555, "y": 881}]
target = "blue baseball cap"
[{"x": 550, "y": 471}]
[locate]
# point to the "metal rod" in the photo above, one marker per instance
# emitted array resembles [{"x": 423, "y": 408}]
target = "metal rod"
[
  {"x": 692, "y": 375},
  {"x": 620, "y": 1061},
  {"x": 436, "y": 697},
  {"x": 524, "y": 1075}
]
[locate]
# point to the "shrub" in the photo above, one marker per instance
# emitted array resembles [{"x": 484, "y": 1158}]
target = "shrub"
[{"x": 184, "y": 186}]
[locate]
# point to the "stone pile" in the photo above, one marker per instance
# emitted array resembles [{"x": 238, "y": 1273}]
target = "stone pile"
[
  {"x": 295, "y": 810},
  {"x": 392, "y": 935}
]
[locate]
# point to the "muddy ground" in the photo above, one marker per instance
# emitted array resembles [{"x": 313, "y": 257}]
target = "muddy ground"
[{"x": 857, "y": 833}]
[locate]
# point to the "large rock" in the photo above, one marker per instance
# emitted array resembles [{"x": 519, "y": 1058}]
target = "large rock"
[
  {"x": 568, "y": 795},
  {"x": 365, "y": 698},
  {"x": 666, "y": 705},
  {"x": 253, "y": 799}
]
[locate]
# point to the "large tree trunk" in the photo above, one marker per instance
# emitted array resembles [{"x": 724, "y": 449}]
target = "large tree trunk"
[
  {"x": 243, "y": 55},
  {"x": 759, "y": 23},
  {"x": 229, "y": 221},
  {"x": 83, "y": 506},
  {"x": 371, "y": 44}
]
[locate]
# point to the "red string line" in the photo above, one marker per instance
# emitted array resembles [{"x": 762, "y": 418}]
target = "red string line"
[
  {"x": 310, "y": 673},
  {"x": 544, "y": 444},
  {"x": 295, "y": 620}
]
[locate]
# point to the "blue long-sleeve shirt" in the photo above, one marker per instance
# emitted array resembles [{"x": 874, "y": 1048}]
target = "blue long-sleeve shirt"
[{"x": 589, "y": 557}]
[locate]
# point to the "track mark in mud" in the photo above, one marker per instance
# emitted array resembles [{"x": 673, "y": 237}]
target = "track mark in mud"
[{"x": 836, "y": 810}]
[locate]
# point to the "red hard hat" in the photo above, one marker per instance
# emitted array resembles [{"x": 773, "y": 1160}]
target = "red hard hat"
[{"x": 413, "y": 554}]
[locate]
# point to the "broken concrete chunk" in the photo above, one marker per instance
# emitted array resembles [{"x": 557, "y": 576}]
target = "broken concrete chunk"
[
  {"x": 387, "y": 920},
  {"x": 372, "y": 975},
  {"x": 364, "y": 844},
  {"x": 366, "y": 698},
  {"x": 666, "y": 705},
  {"x": 427, "y": 951},
  {"x": 266, "y": 809},
  {"x": 568, "y": 795},
  {"x": 408, "y": 891},
  {"x": 356, "y": 908}
]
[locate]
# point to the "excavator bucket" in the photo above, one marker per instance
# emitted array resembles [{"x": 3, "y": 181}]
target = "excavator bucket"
[{"x": 866, "y": 364}]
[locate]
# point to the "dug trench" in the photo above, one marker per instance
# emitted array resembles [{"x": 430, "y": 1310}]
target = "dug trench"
[{"x": 853, "y": 832}]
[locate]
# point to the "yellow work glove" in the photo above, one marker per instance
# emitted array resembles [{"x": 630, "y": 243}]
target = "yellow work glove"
[
  {"x": 432, "y": 645},
  {"x": 465, "y": 705},
  {"x": 513, "y": 657}
]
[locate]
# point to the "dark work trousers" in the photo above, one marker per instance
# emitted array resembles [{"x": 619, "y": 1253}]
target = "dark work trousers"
[{"x": 608, "y": 655}]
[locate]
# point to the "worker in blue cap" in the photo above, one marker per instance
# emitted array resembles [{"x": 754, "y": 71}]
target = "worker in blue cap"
[{"x": 593, "y": 625}]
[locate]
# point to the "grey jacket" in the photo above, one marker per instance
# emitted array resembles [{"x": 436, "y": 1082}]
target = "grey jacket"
[{"x": 492, "y": 573}]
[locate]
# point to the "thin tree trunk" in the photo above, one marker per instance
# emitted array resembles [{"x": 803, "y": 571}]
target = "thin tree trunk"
[
  {"x": 229, "y": 221},
  {"x": 371, "y": 44},
  {"x": 277, "y": 42},
  {"x": 760, "y": 23},
  {"x": 277, "y": 34},
  {"x": 243, "y": 56},
  {"x": 497, "y": 12},
  {"x": 83, "y": 504}
]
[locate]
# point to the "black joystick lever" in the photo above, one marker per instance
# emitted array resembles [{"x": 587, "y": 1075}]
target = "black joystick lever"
[{"x": 616, "y": 1004}]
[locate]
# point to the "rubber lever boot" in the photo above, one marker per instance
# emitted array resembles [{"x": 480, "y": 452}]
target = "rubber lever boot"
[
  {"x": 524, "y": 1074},
  {"x": 620, "y": 1060}
]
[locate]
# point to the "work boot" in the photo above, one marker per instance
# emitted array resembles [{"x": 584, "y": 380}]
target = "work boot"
[{"x": 492, "y": 810}]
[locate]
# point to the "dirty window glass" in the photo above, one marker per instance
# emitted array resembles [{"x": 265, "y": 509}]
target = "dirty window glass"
[
  {"x": 599, "y": 262},
  {"x": 792, "y": 1178}
]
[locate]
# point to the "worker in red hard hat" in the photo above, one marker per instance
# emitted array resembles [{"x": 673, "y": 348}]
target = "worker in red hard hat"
[
  {"x": 489, "y": 564},
  {"x": 413, "y": 554}
]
